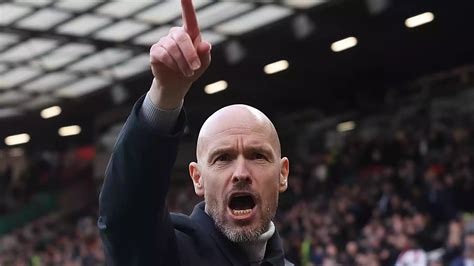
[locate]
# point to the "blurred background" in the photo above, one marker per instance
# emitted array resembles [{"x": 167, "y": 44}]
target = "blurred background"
[{"x": 373, "y": 101}]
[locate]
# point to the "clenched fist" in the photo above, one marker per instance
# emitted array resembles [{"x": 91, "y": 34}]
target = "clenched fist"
[{"x": 177, "y": 60}]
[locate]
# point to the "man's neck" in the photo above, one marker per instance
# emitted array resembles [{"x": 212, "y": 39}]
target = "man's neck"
[{"x": 255, "y": 250}]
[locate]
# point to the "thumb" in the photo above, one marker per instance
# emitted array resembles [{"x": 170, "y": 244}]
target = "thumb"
[{"x": 204, "y": 53}]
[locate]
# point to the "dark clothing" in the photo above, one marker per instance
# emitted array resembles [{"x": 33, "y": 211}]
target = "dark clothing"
[
  {"x": 135, "y": 225},
  {"x": 459, "y": 261}
]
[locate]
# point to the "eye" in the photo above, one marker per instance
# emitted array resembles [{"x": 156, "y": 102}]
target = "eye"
[
  {"x": 222, "y": 158},
  {"x": 259, "y": 156}
]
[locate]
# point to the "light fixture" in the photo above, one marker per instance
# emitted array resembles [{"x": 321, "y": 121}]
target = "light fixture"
[
  {"x": 77, "y": 6},
  {"x": 83, "y": 24},
  {"x": 84, "y": 86},
  {"x": 219, "y": 12},
  {"x": 43, "y": 19},
  {"x": 49, "y": 82},
  {"x": 69, "y": 131},
  {"x": 11, "y": 12},
  {"x": 303, "y": 4},
  {"x": 38, "y": 3},
  {"x": 121, "y": 9},
  {"x": 16, "y": 76},
  {"x": 102, "y": 59},
  {"x": 129, "y": 68},
  {"x": 13, "y": 97},
  {"x": 276, "y": 67},
  {"x": 28, "y": 49},
  {"x": 151, "y": 37},
  {"x": 122, "y": 30},
  {"x": 166, "y": 11},
  {"x": 418, "y": 20},
  {"x": 343, "y": 44},
  {"x": 51, "y": 112},
  {"x": 64, "y": 55},
  {"x": 7, "y": 39},
  {"x": 346, "y": 126},
  {"x": 17, "y": 139},
  {"x": 216, "y": 87},
  {"x": 255, "y": 19}
]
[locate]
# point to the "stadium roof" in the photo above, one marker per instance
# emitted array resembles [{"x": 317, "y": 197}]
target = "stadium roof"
[{"x": 90, "y": 57}]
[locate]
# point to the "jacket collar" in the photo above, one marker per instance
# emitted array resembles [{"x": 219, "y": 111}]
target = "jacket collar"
[{"x": 274, "y": 253}]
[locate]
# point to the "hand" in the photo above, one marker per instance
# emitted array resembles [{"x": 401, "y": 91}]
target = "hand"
[{"x": 178, "y": 60}]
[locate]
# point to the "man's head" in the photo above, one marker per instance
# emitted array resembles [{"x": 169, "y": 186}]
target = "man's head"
[{"x": 239, "y": 171}]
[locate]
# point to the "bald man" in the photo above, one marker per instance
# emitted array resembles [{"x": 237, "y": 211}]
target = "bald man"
[{"x": 239, "y": 172}]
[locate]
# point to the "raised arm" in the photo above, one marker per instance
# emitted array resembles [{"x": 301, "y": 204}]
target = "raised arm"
[
  {"x": 177, "y": 60},
  {"x": 134, "y": 221}
]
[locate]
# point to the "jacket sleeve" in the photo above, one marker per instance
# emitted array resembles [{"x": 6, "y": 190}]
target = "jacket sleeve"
[{"x": 134, "y": 222}]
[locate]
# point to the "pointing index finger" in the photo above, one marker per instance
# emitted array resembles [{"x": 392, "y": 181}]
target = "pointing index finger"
[{"x": 189, "y": 19}]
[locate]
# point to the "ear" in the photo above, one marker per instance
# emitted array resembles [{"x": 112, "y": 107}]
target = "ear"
[
  {"x": 284, "y": 172},
  {"x": 195, "y": 174}
]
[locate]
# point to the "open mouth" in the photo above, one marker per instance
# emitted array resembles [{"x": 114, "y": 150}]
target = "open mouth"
[{"x": 241, "y": 204}]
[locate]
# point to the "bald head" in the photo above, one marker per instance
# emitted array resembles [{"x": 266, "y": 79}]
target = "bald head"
[{"x": 233, "y": 119}]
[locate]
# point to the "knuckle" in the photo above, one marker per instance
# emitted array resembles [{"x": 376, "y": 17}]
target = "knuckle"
[
  {"x": 175, "y": 29},
  {"x": 180, "y": 37}
]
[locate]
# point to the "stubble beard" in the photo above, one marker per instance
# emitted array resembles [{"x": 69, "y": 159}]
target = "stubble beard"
[{"x": 240, "y": 233}]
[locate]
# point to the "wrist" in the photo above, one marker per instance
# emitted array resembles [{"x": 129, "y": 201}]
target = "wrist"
[{"x": 163, "y": 100}]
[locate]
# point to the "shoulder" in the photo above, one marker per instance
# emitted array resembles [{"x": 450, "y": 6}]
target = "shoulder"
[{"x": 183, "y": 223}]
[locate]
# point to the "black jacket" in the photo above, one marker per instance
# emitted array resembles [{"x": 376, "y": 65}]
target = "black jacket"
[{"x": 135, "y": 225}]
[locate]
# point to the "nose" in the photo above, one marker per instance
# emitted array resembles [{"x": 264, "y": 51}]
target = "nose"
[{"x": 241, "y": 172}]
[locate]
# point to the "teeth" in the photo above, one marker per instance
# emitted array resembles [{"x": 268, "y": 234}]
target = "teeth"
[{"x": 241, "y": 212}]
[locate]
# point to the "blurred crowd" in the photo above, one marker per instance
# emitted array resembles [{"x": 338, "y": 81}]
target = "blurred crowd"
[
  {"x": 401, "y": 195},
  {"x": 404, "y": 196},
  {"x": 55, "y": 239}
]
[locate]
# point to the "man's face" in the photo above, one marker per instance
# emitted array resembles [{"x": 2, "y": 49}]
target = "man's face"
[{"x": 240, "y": 174}]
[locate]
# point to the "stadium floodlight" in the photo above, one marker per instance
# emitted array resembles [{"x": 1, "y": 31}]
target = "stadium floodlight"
[
  {"x": 17, "y": 139},
  {"x": 418, "y": 20},
  {"x": 51, "y": 112},
  {"x": 346, "y": 126},
  {"x": 276, "y": 67},
  {"x": 69, "y": 131},
  {"x": 216, "y": 87},
  {"x": 344, "y": 44},
  {"x": 16, "y": 76}
]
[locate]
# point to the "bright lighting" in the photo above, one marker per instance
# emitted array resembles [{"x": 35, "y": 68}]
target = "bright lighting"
[
  {"x": 17, "y": 139},
  {"x": 69, "y": 131},
  {"x": 276, "y": 67},
  {"x": 343, "y": 44},
  {"x": 419, "y": 20},
  {"x": 257, "y": 18},
  {"x": 51, "y": 112},
  {"x": 216, "y": 87},
  {"x": 346, "y": 126}
]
